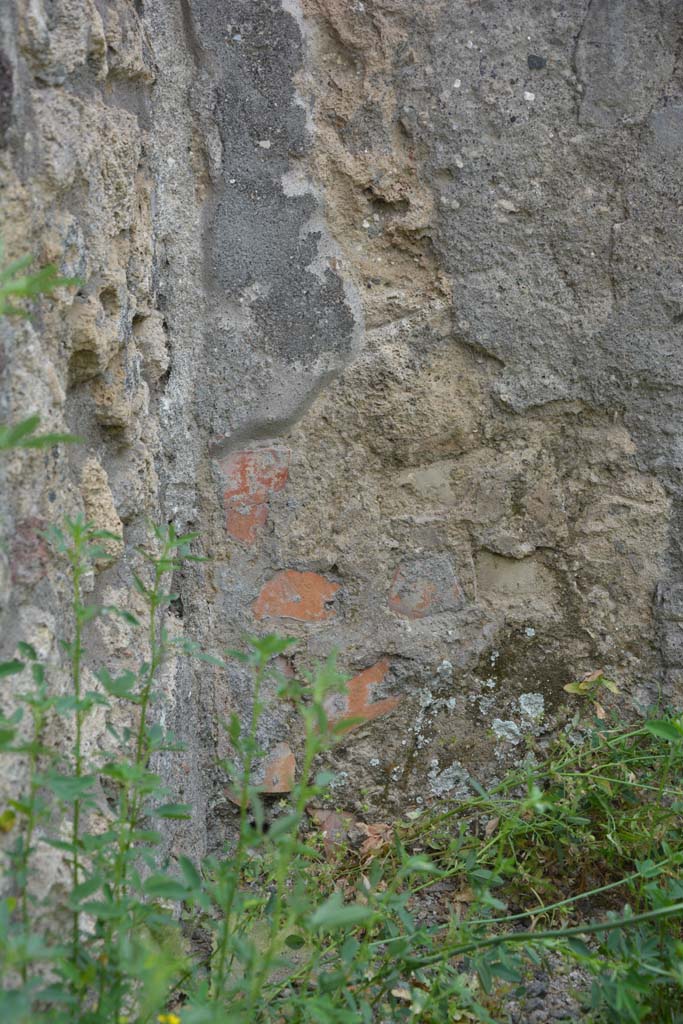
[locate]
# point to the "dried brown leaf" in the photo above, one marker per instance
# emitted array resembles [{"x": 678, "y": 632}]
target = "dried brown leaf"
[
  {"x": 334, "y": 827},
  {"x": 491, "y": 827},
  {"x": 378, "y": 838}
]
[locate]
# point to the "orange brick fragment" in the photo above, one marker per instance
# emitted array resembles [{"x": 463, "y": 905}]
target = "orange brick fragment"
[
  {"x": 251, "y": 477},
  {"x": 279, "y": 770},
  {"x": 358, "y": 703},
  {"x": 296, "y": 595},
  {"x": 243, "y": 521}
]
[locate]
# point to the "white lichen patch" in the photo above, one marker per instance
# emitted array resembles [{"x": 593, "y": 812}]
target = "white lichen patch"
[
  {"x": 453, "y": 780},
  {"x": 532, "y": 705},
  {"x": 506, "y": 730},
  {"x": 444, "y": 672},
  {"x": 339, "y": 781}
]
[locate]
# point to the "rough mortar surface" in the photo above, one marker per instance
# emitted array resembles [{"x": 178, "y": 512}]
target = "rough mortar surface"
[{"x": 385, "y": 299}]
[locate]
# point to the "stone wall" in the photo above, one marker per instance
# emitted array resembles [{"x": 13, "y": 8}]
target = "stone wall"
[{"x": 384, "y": 298}]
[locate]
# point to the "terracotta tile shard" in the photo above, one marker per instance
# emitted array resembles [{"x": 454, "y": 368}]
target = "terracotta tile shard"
[
  {"x": 279, "y": 770},
  {"x": 425, "y": 586},
  {"x": 251, "y": 477},
  {"x": 357, "y": 703},
  {"x": 243, "y": 522},
  {"x": 296, "y": 595}
]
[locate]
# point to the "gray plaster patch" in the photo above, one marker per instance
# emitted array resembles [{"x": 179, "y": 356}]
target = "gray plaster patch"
[
  {"x": 624, "y": 55},
  {"x": 275, "y": 304}
]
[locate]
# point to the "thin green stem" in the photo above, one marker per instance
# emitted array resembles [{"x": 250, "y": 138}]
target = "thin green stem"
[
  {"x": 236, "y": 862},
  {"x": 547, "y": 908},
  {"x": 594, "y": 928},
  {"x": 76, "y": 659},
  {"x": 660, "y": 789},
  {"x": 38, "y": 716},
  {"x": 131, "y": 797}
]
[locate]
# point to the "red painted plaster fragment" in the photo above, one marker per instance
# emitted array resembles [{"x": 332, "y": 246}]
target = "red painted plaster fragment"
[
  {"x": 296, "y": 595},
  {"x": 251, "y": 476},
  {"x": 358, "y": 701}
]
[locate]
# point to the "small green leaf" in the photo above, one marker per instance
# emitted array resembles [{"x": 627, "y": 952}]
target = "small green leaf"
[
  {"x": 10, "y": 668},
  {"x": 14, "y": 434},
  {"x": 579, "y": 688},
  {"x": 664, "y": 730},
  {"x": 185, "y": 539},
  {"x": 60, "y": 844},
  {"x": 210, "y": 659},
  {"x": 421, "y": 865},
  {"x": 69, "y": 787},
  {"x": 179, "y": 811},
  {"x": 333, "y": 914},
  {"x": 146, "y": 835},
  {"x": 121, "y": 613},
  {"x": 140, "y": 586},
  {"x": 88, "y": 612},
  {"x": 85, "y": 889},
  {"x": 485, "y": 976},
  {"x": 48, "y": 440},
  {"x": 7, "y": 820},
  {"x": 106, "y": 535},
  {"x": 161, "y": 887},
  {"x": 121, "y": 686},
  {"x": 287, "y": 823},
  {"x": 104, "y": 911},
  {"x": 579, "y": 947},
  {"x": 349, "y": 949},
  {"x": 270, "y": 645},
  {"x": 295, "y": 941},
  {"x": 13, "y": 268},
  {"x": 505, "y": 971},
  {"x": 648, "y": 868}
]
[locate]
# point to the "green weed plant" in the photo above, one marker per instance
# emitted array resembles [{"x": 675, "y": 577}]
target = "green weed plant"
[{"x": 579, "y": 854}]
